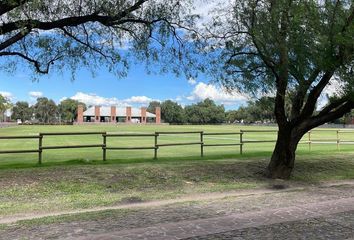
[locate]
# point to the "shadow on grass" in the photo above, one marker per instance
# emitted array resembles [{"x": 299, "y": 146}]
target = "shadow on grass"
[
  {"x": 161, "y": 160},
  {"x": 310, "y": 167}
]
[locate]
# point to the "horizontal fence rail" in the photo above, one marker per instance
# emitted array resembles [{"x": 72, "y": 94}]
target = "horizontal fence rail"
[
  {"x": 11, "y": 151},
  {"x": 123, "y": 135},
  {"x": 238, "y": 141}
]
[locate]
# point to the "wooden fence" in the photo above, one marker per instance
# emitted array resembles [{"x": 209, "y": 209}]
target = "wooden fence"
[{"x": 240, "y": 141}]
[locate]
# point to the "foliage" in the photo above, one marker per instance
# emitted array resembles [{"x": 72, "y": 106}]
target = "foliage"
[
  {"x": 22, "y": 110},
  {"x": 205, "y": 112},
  {"x": 261, "y": 110},
  {"x": 152, "y": 106},
  {"x": 172, "y": 112},
  {"x": 64, "y": 35},
  {"x": 45, "y": 110},
  {"x": 68, "y": 109},
  {"x": 4, "y": 105}
]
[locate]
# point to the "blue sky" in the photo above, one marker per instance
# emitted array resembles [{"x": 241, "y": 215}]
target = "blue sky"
[{"x": 137, "y": 89}]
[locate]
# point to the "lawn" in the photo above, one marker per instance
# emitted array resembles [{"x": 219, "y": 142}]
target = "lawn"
[
  {"x": 78, "y": 178},
  {"x": 90, "y": 154}
]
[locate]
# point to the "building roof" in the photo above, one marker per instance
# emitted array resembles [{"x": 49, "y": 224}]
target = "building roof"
[{"x": 120, "y": 112}]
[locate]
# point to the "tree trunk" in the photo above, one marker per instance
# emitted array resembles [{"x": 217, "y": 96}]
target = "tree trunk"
[{"x": 283, "y": 158}]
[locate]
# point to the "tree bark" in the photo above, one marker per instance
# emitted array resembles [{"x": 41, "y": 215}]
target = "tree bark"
[{"x": 283, "y": 157}]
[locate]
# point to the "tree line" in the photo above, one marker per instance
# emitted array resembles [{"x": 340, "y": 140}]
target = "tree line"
[
  {"x": 204, "y": 112},
  {"x": 43, "y": 111}
]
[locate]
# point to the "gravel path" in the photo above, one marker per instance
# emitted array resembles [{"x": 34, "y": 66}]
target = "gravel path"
[{"x": 311, "y": 213}]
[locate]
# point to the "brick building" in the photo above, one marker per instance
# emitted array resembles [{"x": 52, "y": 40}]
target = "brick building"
[{"x": 115, "y": 114}]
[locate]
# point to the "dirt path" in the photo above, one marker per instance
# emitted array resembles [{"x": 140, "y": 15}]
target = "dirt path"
[
  {"x": 323, "y": 211},
  {"x": 195, "y": 197},
  {"x": 219, "y": 225},
  {"x": 278, "y": 188}
]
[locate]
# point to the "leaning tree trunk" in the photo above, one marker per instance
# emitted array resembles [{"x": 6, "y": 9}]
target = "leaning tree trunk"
[{"x": 283, "y": 158}]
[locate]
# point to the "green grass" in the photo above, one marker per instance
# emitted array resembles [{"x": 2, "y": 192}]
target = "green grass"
[
  {"x": 78, "y": 178},
  {"x": 89, "y": 154}
]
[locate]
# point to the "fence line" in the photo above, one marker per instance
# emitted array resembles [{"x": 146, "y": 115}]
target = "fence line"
[{"x": 104, "y": 146}]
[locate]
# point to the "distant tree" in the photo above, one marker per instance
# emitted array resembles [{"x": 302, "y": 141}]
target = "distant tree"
[
  {"x": 68, "y": 109},
  {"x": 262, "y": 109},
  {"x": 205, "y": 112},
  {"x": 172, "y": 112},
  {"x": 152, "y": 106},
  {"x": 22, "y": 110},
  {"x": 241, "y": 114},
  {"x": 4, "y": 105},
  {"x": 45, "y": 110}
]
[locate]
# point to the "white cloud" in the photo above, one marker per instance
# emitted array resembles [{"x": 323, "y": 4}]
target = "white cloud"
[
  {"x": 34, "y": 94},
  {"x": 202, "y": 91},
  {"x": 139, "y": 100},
  {"x": 7, "y": 95},
  {"x": 192, "y": 81},
  {"x": 94, "y": 99}
]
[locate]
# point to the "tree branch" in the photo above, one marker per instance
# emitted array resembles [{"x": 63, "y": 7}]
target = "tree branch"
[
  {"x": 314, "y": 95},
  {"x": 332, "y": 115},
  {"x": 14, "y": 38},
  {"x": 74, "y": 21},
  {"x": 7, "y": 6},
  {"x": 35, "y": 63}
]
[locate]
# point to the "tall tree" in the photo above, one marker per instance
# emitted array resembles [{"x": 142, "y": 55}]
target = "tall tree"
[
  {"x": 71, "y": 34},
  {"x": 172, "y": 112},
  {"x": 68, "y": 109},
  {"x": 293, "y": 49},
  {"x": 45, "y": 110},
  {"x": 22, "y": 110}
]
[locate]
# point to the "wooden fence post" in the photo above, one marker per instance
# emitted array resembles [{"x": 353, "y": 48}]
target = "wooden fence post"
[
  {"x": 309, "y": 133},
  {"x": 156, "y": 147},
  {"x": 241, "y": 142},
  {"x": 40, "y": 148},
  {"x": 202, "y": 144},
  {"x": 104, "y": 146}
]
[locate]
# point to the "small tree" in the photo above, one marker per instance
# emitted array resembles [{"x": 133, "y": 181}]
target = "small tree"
[
  {"x": 45, "y": 110},
  {"x": 172, "y": 112},
  {"x": 292, "y": 49},
  {"x": 22, "y": 110},
  {"x": 68, "y": 109}
]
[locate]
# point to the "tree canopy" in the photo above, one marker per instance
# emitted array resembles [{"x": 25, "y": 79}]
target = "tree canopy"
[
  {"x": 152, "y": 106},
  {"x": 22, "y": 110},
  {"x": 172, "y": 112},
  {"x": 45, "y": 110},
  {"x": 71, "y": 34},
  {"x": 68, "y": 110},
  {"x": 205, "y": 112},
  {"x": 292, "y": 49}
]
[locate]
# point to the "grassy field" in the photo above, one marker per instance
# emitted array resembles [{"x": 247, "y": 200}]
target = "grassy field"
[
  {"x": 64, "y": 155},
  {"x": 78, "y": 178}
]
